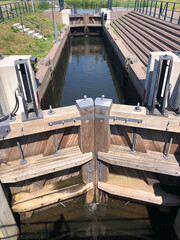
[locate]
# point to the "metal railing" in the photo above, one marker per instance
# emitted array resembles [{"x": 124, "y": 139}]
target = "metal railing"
[
  {"x": 23, "y": 21},
  {"x": 10, "y": 10},
  {"x": 167, "y": 11}
]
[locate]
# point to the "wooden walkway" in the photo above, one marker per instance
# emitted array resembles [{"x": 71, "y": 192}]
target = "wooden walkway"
[{"x": 94, "y": 145}]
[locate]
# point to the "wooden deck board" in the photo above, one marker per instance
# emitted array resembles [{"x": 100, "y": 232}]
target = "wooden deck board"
[
  {"x": 148, "y": 121},
  {"x": 23, "y": 201},
  {"x": 150, "y": 161},
  {"x": 138, "y": 189},
  {"x": 39, "y": 165}
]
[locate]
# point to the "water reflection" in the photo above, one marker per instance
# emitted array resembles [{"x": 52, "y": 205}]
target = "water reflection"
[{"x": 85, "y": 70}]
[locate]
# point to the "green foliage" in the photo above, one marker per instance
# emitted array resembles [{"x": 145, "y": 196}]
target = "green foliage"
[
  {"x": 43, "y": 4},
  {"x": 15, "y": 29}
]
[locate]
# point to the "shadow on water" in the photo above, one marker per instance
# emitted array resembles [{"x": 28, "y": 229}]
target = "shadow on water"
[{"x": 117, "y": 220}]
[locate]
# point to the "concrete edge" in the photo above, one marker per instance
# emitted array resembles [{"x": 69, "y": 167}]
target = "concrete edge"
[{"x": 44, "y": 69}]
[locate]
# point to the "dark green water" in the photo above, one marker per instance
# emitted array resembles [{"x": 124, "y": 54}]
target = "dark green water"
[{"x": 86, "y": 69}]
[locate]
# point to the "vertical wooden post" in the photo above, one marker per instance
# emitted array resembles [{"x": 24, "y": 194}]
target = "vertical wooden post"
[
  {"x": 8, "y": 227},
  {"x": 86, "y": 141},
  {"x": 102, "y": 140}
]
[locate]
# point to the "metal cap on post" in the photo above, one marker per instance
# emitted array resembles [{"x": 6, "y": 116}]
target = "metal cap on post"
[{"x": 84, "y": 103}]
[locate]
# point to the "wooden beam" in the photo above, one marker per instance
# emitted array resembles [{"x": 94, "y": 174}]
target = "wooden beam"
[
  {"x": 19, "y": 128},
  {"x": 8, "y": 227},
  {"x": 39, "y": 165},
  {"x": 138, "y": 189},
  {"x": 150, "y": 161},
  {"x": 24, "y": 202},
  {"x": 169, "y": 124}
]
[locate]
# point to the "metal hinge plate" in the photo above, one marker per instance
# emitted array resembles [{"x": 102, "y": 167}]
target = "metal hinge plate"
[{"x": 4, "y": 129}]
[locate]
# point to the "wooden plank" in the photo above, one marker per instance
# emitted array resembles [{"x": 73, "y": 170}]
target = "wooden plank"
[
  {"x": 150, "y": 161},
  {"x": 116, "y": 137},
  {"x": 70, "y": 137},
  {"x": 8, "y": 227},
  {"x": 139, "y": 190},
  {"x": 148, "y": 121},
  {"x": 24, "y": 202},
  {"x": 38, "y": 166},
  {"x": 41, "y": 125}
]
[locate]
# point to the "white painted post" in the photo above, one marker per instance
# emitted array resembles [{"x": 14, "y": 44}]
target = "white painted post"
[{"x": 8, "y": 227}]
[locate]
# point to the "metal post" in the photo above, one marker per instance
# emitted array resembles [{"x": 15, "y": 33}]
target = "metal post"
[
  {"x": 143, "y": 6},
  {"x": 22, "y": 7},
  {"x": 57, "y": 153},
  {"x": 19, "y": 8},
  {"x": 25, "y": 6},
  {"x": 172, "y": 13},
  {"x": 150, "y": 8},
  {"x": 134, "y": 6},
  {"x": 132, "y": 150},
  {"x": 147, "y": 6},
  {"x": 166, "y": 155},
  {"x": 15, "y": 9},
  {"x": 140, "y": 6},
  {"x": 165, "y": 15},
  {"x": 1, "y": 14},
  {"x": 155, "y": 9},
  {"x": 23, "y": 160},
  {"x": 160, "y": 10},
  {"x": 11, "y": 10},
  {"x": 7, "y": 11}
]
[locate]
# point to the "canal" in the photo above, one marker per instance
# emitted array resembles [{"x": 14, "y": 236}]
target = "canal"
[{"x": 86, "y": 67}]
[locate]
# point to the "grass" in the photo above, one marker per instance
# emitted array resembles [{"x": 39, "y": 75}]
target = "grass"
[{"x": 13, "y": 42}]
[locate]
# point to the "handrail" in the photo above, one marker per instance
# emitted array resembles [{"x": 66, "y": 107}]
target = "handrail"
[
  {"x": 159, "y": 9},
  {"x": 21, "y": 17}
]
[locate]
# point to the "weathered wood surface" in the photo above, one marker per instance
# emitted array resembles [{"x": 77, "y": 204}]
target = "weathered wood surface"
[
  {"x": 23, "y": 202},
  {"x": 19, "y": 128},
  {"x": 150, "y": 161},
  {"x": 146, "y": 139},
  {"x": 148, "y": 121},
  {"x": 8, "y": 227},
  {"x": 39, "y": 165},
  {"x": 138, "y": 189}
]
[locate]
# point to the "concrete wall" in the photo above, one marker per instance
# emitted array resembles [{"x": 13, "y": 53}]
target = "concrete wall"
[{"x": 47, "y": 65}]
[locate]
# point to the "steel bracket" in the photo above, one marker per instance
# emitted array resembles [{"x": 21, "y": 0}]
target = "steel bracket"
[
  {"x": 100, "y": 171},
  {"x": 71, "y": 120},
  {"x": 89, "y": 171},
  {"x": 4, "y": 129},
  {"x": 119, "y": 118}
]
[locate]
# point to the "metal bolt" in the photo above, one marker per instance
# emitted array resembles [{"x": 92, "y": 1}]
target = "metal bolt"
[
  {"x": 137, "y": 108},
  {"x": 74, "y": 120},
  {"x": 63, "y": 122},
  {"x": 103, "y": 96},
  {"x": 114, "y": 119},
  {"x": 126, "y": 120},
  {"x": 2, "y": 136},
  {"x": 51, "y": 111},
  {"x": 7, "y": 130},
  {"x": 85, "y": 97}
]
